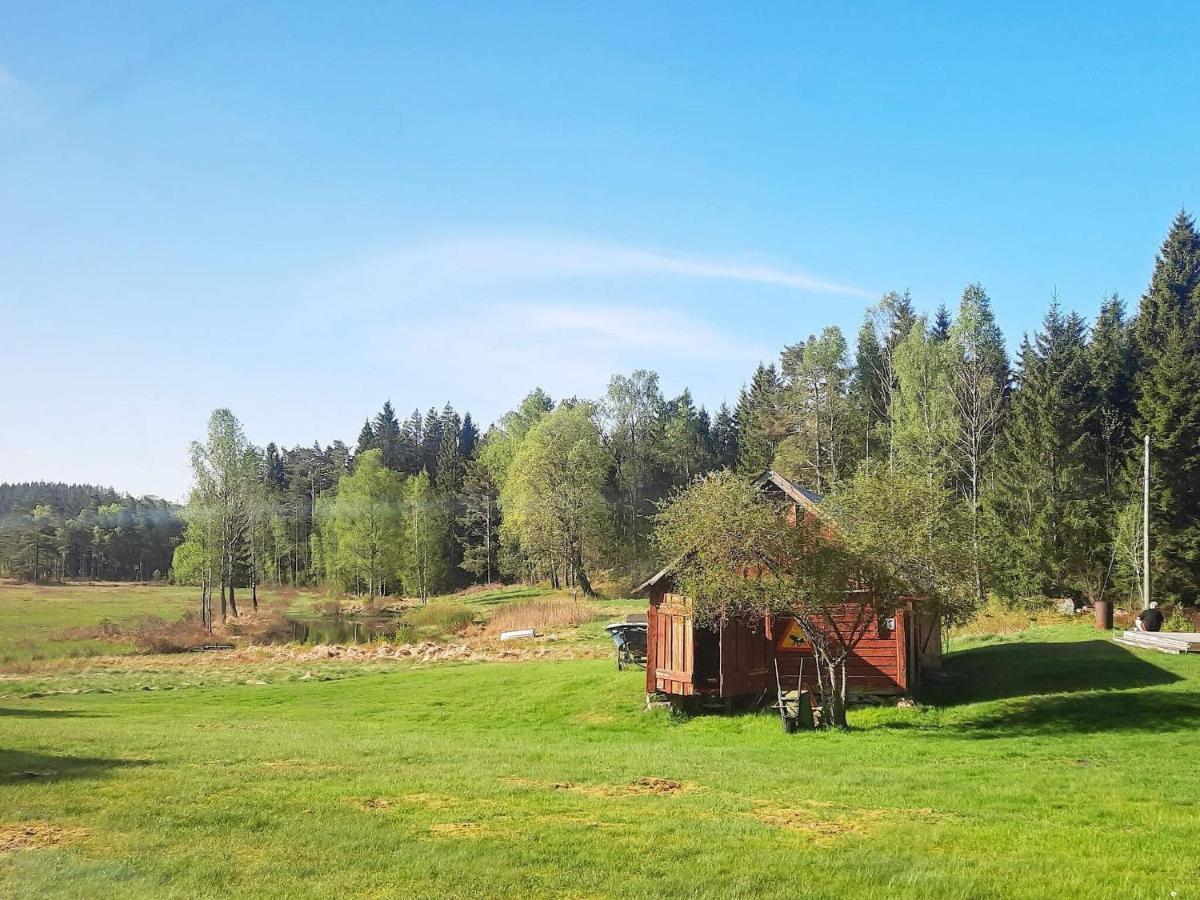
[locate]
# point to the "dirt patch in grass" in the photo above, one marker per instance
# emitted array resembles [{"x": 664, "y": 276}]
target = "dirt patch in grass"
[
  {"x": 429, "y": 801},
  {"x": 300, "y": 765},
  {"x": 817, "y": 819},
  {"x": 808, "y": 821},
  {"x": 37, "y": 835},
  {"x": 467, "y": 829},
  {"x": 644, "y": 786}
]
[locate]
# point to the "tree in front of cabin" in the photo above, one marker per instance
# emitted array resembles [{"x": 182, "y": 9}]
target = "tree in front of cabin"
[{"x": 741, "y": 556}]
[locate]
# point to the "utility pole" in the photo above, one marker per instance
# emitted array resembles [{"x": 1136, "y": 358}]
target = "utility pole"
[{"x": 1146, "y": 526}]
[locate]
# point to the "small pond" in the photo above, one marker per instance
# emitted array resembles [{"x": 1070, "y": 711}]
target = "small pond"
[{"x": 341, "y": 629}]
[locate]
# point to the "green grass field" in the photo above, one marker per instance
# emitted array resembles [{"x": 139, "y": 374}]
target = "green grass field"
[
  {"x": 54, "y": 621},
  {"x": 1051, "y": 762}
]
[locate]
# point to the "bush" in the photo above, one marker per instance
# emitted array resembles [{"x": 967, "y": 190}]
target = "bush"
[
  {"x": 434, "y": 622},
  {"x": 153, "y": 635},
  {"x": 263, "y": 627},
  {"x": 540, "y": 615},
  {"x": 1179, "y": 620}
]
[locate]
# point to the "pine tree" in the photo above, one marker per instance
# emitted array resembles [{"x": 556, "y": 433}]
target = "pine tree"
[
  {"x": 866, "y": 391},
  {"x": 448, "y": 480},
  {"x": 1166, "y": 382},
  {"x": 757, "y": 417},
  {"x": 273, "y": 468},
  {"x": 387, "y": 436},
  {"x": 941, "y": 324},
  {"x": 468, "y": 438},
  {"x": 687, "y": 447},
  {"x": 1171, "y": 296},
  {"x": 410, "y": 443},
  {"x": 885, "y": 325},
  {"x": 816, "y": 411},
  {"x": 725, "y": 438},
  {"x": 479, "y": 523},
  {"x": 366, "y": 439},
  {"x": 1169, "y": 412},
  {"x": 1110, "y": 355},
  {"x": 1046, "y": 528},
  {"x": 431, "y": 440}
]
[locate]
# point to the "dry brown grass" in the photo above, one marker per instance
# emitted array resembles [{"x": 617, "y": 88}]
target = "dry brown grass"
[
  {"x": 34, "y": 835},
  {"x": 540, "y": 615},
  {"x": 153, "y": 635}
]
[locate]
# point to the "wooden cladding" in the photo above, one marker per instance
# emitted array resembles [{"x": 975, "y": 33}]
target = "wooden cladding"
[{"x": 736, "y": 659}]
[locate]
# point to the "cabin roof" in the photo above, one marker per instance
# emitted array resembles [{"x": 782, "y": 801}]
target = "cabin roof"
[{"x": 801, "y": 495}]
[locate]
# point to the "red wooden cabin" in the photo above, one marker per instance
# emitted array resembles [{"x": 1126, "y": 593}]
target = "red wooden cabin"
[{"x": 738, "y": 660}]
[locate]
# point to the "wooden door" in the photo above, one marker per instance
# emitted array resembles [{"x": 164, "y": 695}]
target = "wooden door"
[{"x": 746, "y": 660}]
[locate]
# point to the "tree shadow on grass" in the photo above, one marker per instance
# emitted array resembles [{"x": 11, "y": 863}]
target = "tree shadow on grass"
[
  {"x": 1023, "y": 669},
  {"x": 30, "y": 712},
  {"x": 22, "y": 767},
  {"x": 1152, "y": 710}
]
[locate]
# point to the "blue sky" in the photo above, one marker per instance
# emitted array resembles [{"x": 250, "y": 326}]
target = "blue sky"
[{"x": 299, "y": 210}]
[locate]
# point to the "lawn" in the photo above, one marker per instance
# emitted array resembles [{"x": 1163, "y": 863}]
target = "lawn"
[{"x": 1051, "y": 762}]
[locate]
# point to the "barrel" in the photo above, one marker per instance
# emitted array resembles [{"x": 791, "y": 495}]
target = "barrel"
[{"x": 1104, "y": 615}]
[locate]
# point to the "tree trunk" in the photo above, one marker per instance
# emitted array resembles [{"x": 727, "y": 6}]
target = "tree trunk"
[
  {"x": 584, "y": 582},
  {"x": 835, "y": 703},
  {"x": 232, "y": 588}
]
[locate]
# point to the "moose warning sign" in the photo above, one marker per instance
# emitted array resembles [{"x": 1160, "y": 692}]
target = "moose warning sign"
[{"x": 792, "y": 638}]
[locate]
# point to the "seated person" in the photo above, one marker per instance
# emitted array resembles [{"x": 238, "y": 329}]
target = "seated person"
[{"x": 1150, "y": 619}]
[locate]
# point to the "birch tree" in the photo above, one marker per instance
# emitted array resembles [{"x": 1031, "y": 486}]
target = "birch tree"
[
  {"x": 978, "y": 372},
  {"x": 225, "y": 472},
  {"x": 553, "y": 500}
]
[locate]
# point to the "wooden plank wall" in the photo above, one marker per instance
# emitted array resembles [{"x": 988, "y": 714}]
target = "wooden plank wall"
[{"x": 878, "y": 665}]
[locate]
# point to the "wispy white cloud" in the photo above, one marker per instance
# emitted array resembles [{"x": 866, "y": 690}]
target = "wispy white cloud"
[
  {"x": 484, "y": 319},
  {"x": 462, "y": 264}
]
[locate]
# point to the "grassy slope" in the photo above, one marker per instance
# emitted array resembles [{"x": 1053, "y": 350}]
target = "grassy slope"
[
  {"x": 35, "y": 621},
  {"x": 520, "y": 779}
]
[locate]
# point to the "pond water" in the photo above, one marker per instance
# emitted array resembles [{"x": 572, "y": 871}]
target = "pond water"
[{"x": 341, "y": 629}]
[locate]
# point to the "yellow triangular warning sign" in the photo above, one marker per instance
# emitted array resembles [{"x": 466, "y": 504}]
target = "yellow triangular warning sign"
[{"x": 792, "y": 638}]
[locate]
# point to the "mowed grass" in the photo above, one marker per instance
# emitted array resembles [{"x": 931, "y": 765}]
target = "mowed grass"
[{"x": 1052, "y": 763}]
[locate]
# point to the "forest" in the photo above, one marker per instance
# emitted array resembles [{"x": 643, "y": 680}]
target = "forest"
[
  {"x": 51, "y": 531},
  {"x": 1041, "y": 454}
]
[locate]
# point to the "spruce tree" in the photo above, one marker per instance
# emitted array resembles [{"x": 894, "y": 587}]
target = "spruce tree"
[
  {"x": 725, "y": 438},
  {"x": 941, "y": 324},
  {"x": 757, "y": 417},
  {"x": 1047, "y": 532},
  {"x": 1166, "y": 383},
  {"x": 448, "y": 480},
  {"x": 431, "y": 440},
  {"x": 410, "y": 443},
  {"x": 867, "y": 390},
  {"x": 1110, "y": 356},
  {"x": 1169, "y": 412},
  {"x": 387, "y": 436},
  {"x": 468, "y": 438},
  {"x": 1170, "y": 298},
  {"x": 366, "y": 439}
]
